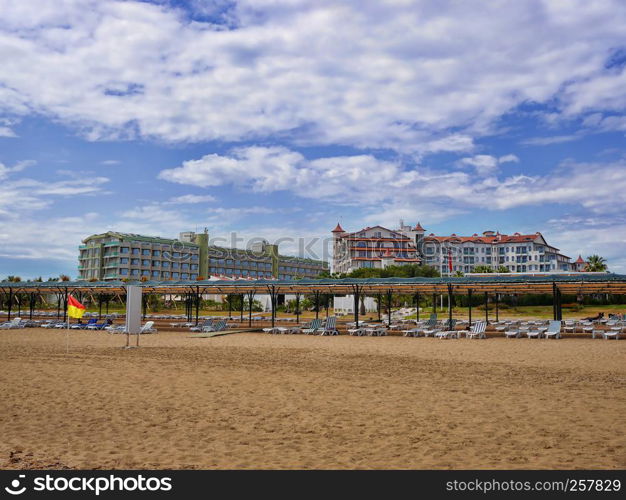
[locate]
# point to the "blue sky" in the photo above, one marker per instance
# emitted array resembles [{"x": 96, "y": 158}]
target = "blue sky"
[{"x": 277, "y": 118}]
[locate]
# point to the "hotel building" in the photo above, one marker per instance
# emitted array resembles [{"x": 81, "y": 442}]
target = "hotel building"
[
  {"x": 115, "y": 256},
  {"x": 379, "y": 247}
]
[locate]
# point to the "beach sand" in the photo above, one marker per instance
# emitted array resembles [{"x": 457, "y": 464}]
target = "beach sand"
[{"x": 292, "y": 401}]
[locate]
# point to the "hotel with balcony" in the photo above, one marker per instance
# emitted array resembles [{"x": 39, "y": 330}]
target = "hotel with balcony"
[
  {"x": 379, "y": 247},
  {"x": 114, "y": 256}
]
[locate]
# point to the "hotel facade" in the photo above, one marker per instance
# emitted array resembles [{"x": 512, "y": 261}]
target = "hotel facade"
[
  {"x": 115, "y": 256},
  {"x": 379, "y": 247}
]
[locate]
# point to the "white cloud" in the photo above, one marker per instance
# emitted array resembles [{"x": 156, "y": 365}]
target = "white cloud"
[
  {"x": 110, "y": 162},
  {"x": 191, "y": 199},
  {"x": 510, "y": 158},
  {"x": 367, "y": 181},
  {"x": 555, "y": 139},
  {"x": 605, "y": 236},
  {"x": 487, "y": 164},
  {"x": 346, "y": 179},
  {"x": 364, "y": 74},
  {"x": 7, "y": 132},
  {"x": 484, "y": 164}
]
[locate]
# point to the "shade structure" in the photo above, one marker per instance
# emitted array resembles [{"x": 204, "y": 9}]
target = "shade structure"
[{"x": 576, "y": 283}]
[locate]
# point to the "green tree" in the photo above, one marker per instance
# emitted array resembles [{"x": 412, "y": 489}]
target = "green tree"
[
  {"x": 502, "y": 269},
  {"x": 596, "y": 264},
  {"x": 483, "y": 269}
]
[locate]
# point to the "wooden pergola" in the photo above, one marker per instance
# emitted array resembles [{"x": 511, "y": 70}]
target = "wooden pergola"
[{"x": 494, "y": 284}]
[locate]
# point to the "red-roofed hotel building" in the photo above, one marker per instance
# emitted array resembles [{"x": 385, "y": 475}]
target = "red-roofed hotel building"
[{"x": 379, "y": 247}]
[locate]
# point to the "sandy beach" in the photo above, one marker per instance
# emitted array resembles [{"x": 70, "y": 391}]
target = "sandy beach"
[{"x": 291, "y": 401}]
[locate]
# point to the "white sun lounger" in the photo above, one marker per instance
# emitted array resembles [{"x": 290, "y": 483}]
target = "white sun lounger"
[{"x": 477, "y": 331}]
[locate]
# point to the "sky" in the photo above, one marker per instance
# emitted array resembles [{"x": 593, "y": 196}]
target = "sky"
[{"x": 279, "y": 118}]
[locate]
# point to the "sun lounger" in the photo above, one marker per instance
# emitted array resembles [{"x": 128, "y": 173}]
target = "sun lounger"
[
  {"x": 331, "y": 327},
  {"x": 612, "y": 334},
  {"x": 533, "y": 334},
  {"x": 11, "y": 325},
  {"x": 430, "y": 326},
  {"x": 477, "y": 331},
  {"x": 554, "y": 330},
  {"x": 313, "y": 327},
  {"x": 199, "y": 328},
  {"x": 215, "y": 327},
  {"x": 510, "y": 334}
]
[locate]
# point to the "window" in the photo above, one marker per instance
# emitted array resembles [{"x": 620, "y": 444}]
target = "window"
[
  {"x": 165, "y": 274},
  {"x": 124, "y": 249},
  {"x": 145, "y": 272},
  {"x": 124, "y": 272},
  {"x": 174, "y": 275},
  {"x": 194, "y": 276},
  {"x": 145, "y": 251},
  {"x": 134, "y": 262},
  {"x": 175, "y": 265},
  {"x": 165, "y": 264},
  {"x": 194, "y": 267},
  {"x": 184, "y": 276},
  {"x": 156, "y": 253},
  {"x": 185, "y": 266},
  {"x": 124, "y": 260},
  {"x": 155, "y": 274},
  {"x": 134, "y": 272},
  {"x": 145, "y": 262},
  {"x": 156, "y": 263},
  {"x": 135, "y": 251}
]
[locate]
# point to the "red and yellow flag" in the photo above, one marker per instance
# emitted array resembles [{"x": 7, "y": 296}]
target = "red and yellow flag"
[{"x": 74, "y": 308}]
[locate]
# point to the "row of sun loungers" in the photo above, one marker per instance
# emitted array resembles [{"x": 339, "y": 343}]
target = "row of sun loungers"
[{"x": 315, "y": 327}]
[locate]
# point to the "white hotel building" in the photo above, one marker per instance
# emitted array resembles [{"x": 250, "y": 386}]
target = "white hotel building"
[{"x": 379, "y": 247}]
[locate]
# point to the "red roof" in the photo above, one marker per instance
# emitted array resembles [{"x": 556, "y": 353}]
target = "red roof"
[
  {"x": 338, "y": 229},
  {"x": 580, "y": 260},
  {"x": 418, "y": 227},
  {"x": 501, "y": 238}
]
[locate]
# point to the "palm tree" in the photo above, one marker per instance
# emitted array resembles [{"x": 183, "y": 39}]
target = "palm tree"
[{"x": 596, "y": 264}]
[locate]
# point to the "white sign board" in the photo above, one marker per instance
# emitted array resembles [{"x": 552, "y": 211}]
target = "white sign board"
[{"x": 133, "y": 309}]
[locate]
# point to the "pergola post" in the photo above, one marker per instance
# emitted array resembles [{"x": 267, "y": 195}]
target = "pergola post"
[
  {"x": 417, "y": 306},
  {"x": 554, "y": 301},
  {"x": 10, "y": 304},
  {"x": 65, "y": 305},
  {"x": 389, "y": 302},
  {"x": 378, "y": 302},
  {"x": 297, "y": 307},
  {"x": 317, "y": 303},
  {"x": 487, "y": 307},
  {"x": 241, "y": 315},
  {"x": 99, "y": 306},
  {"x": 272, "y": 290},
  {"x": 31, "y": 306},
  {"x": 356, "y": 304},
  {"x": 58, "y": 294},
  {"x": 434, "y": 303},
  {"x": 469, "y": 300},
  {"x": 144, "y": 306},
  {"x": 450, "y": 305},
  {"x": 197, "y": 304},
  {"x": 250, "y": 298},
  {"x": 229, "y": 298},
  {"x": 497, "y": 299}
]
